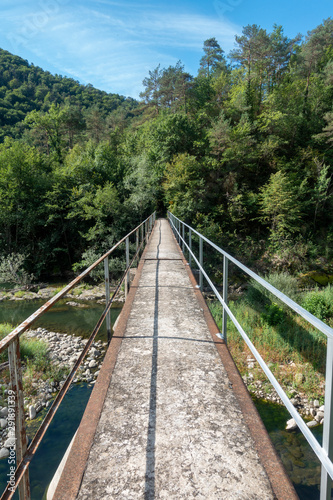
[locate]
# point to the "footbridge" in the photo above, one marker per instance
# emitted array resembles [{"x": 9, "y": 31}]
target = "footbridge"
[{"x": 169, "y": 416}]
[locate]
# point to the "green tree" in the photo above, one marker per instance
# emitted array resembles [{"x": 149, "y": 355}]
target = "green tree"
[
  {"x": 280, "y": 207},
  {"x": 213, "y": 61},
  {"x": 151, "y": 94},
  {"x": 184, "y": 186},
  {"x": 25, "y": 178},
  {"x": 316, "y": 52},
  {"x": 48, "y": 128}
]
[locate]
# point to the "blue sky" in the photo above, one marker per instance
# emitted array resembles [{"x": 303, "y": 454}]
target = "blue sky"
[{"x": 114, "y": 44}]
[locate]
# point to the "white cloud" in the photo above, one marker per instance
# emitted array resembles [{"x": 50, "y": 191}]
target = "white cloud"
[{"x": 112, "y": 47}]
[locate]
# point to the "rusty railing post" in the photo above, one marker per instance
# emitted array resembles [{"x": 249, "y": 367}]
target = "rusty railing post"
[
  {"x": 137, "y": 242},
  {"x": 20, "y": 439},
  {"x": 127, "y": 264},
  {"x": 107, "y": 298}
]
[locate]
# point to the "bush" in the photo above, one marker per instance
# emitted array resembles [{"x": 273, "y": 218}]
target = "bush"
[
  {"x": 320, "y": 303},
  {"x": 12, "y": 270},
  {"x": 257, "y": 295},
  {"x": 116, "y": 265},
  {"x": 274, "y": 316}
]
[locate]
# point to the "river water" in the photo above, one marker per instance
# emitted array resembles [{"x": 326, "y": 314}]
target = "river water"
[{"x": 298, "y": 458}]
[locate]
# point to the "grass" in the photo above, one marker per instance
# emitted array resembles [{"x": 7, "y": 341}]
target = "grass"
[
  {"x": 35, "y": 361},
  {"x": 293, "y": 349}
]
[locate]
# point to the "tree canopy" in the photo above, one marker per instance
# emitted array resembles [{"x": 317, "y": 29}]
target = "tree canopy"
[{"x": 242, "y": 150}]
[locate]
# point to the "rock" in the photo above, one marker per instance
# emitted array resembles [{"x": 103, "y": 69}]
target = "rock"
[
  {"x": 322, "y": 408},
  {"x": 291, "y": 425},
  {"x": 32, "y": 412},
  {"x": 39, "y": 407},
  {"x": 313, "y": 423},
  {"x": 4, "y": 453},
  {"x": 3, "y": 423},
  {"x": 95, "y": 352},
  {"x": 9, "y": 442},
  {"x": 319, "y": 416},
  {"x": 299, "y": 378},
  {"x": 4, "y": 413},
  {"x": 93, "y": 364},
  {"x": 316, "y": 403}
]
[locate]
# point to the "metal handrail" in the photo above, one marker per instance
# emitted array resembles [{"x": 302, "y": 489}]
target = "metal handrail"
[
  {"x": 325, "y": 452},
  {"x": 25, "y": 454}
]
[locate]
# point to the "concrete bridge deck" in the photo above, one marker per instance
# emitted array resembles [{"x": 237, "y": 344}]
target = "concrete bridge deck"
[{"x": 169, "y": 417}]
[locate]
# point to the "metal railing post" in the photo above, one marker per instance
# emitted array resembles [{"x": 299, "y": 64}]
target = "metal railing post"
[
  {"x": 147, "y": 233},
  {"x": 326, "y": 481},
  {"x": 107, "y": 298},
  {"x": 183, "y": 234},
  {"x": 20, "y": 438},
  {"x": 190, "y": 246},
  {"x": 200, "y": 261},
  {"x": 142, "y": 232},
  {"x": 225, "y": 297},
  {"x": 127, "y": 264},
  {"x": 137, "y": 242}
]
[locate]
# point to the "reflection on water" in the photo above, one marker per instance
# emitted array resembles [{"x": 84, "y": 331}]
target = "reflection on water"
[
  {"x": 61, "y": 318},
  {"x": 300, "y": 462},
  {"x": 54, "y": 443}
]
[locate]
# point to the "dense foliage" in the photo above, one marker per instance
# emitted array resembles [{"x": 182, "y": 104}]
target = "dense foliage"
[{"x": 243, "y": 151}]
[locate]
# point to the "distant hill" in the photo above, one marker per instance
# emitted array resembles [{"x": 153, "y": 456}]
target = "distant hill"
[{"x": 25, "y": 87}]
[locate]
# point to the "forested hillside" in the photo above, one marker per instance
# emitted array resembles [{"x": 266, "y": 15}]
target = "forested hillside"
[{"x": 243, "y": 151}]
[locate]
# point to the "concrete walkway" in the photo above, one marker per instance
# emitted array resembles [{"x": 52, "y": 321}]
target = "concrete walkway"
[{"x": 171, "y": 426}]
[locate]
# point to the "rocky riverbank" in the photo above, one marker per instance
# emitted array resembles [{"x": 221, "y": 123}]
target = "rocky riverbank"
[
  {"x": 63, "y": 352},
  {"x": 311, "y": 410},
  {"x": 81, "y": 292}
]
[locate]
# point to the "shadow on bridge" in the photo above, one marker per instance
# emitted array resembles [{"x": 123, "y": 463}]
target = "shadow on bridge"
[{"x": 151, "y": 438}]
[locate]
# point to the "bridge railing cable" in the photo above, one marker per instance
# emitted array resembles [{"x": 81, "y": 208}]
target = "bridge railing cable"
[
  {"x": 184, "y": 235},
  {"x": 25, "y": 454}
]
